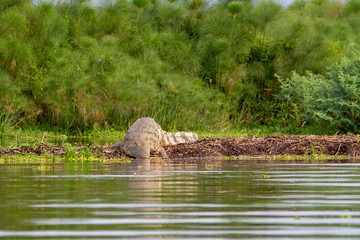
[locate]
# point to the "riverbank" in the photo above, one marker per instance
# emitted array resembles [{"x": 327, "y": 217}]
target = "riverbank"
[{"x": 261, "y": 146}]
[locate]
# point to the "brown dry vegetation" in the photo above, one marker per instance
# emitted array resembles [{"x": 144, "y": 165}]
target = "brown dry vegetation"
[
  {"x": 269, "y": 145},
  {"x": 335, "y": 145}
]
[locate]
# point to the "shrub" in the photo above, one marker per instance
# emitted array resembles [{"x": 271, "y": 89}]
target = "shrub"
[{"x": 333, "y": 98}]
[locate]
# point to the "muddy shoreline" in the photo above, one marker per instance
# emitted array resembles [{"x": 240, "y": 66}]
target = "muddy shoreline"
[{"x": 336, "y": 145}]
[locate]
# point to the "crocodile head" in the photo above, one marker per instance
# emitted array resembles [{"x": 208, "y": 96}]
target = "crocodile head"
[{"x": 137, "y": 148}]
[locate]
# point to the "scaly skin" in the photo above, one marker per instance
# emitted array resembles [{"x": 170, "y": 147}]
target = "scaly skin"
[{"x": 145, "y": 135}]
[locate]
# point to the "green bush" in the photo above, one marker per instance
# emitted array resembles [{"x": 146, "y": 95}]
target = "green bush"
[{"x": 333, "y": 98}]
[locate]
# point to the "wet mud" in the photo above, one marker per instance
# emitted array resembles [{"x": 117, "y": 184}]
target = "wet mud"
[{"x": 336, "y": 145}]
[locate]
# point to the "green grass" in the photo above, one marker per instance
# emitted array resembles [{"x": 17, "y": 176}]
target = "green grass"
[
  {"x": 45, "y": 159},
  {"x": 314, "y": 158}
]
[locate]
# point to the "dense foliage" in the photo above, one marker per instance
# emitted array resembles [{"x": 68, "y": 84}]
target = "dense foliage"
[
  {"x": 332, "y": 100},
  {"x": 74, "y": 66}
]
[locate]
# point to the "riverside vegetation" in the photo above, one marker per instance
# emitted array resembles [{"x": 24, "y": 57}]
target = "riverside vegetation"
[
  {"x": 275, "y": 147},
  {"x": 71, "y": 66}
]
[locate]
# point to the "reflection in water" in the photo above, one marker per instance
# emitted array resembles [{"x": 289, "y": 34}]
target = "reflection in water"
[
  {"x": 144, "y": 183},
  {"x": 196, "y": 198}
]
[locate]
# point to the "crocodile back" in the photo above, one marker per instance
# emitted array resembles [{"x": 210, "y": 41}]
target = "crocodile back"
[
  {"x": 178, "y": 137},
  {"x": 145, "y": 125}
]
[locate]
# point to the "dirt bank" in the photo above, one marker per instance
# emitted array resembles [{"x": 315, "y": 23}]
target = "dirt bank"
[
  {"x": 269, "y": 145},
  {"x": 244, "y": 146}
]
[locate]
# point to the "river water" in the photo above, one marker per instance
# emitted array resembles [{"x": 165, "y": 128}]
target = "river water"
[{"x": 181, "y": 199}]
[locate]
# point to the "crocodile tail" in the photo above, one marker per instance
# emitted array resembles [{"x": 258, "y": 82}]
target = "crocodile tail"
[{"x": 178, "y": 137}]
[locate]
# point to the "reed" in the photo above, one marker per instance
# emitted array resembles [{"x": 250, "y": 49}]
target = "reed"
[{"x": 74, "y": 67}]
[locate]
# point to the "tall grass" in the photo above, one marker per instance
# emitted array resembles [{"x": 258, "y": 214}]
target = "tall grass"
[
  {"x": 73, "y": 67},
  {"x": 7, "y": 122},
  {"x": 8, "y": 119}
]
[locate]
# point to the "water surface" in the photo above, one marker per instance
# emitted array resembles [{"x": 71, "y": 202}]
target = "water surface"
[{"x": 182, "y": 199}]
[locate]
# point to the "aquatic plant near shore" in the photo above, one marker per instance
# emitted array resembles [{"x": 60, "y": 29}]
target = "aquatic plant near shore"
[{"x": 48, "y": 159}]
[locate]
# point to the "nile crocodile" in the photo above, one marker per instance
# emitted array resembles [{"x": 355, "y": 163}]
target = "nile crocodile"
[{"x": 145, "y": 135}]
